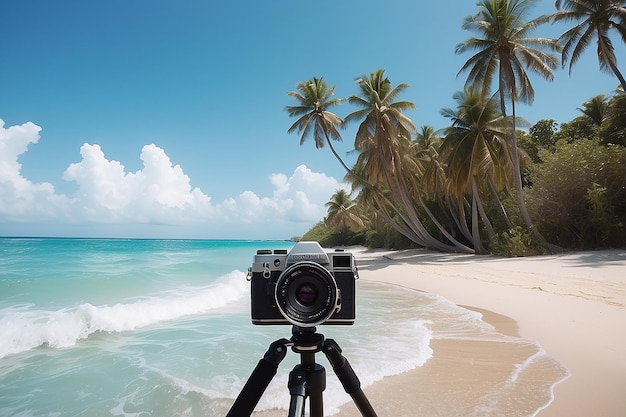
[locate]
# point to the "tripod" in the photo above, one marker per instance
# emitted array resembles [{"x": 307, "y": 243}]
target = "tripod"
[{"x": 306, "y": 380}]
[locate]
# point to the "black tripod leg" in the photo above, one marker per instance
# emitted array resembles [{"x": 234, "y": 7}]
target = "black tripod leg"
[
  {"x": 348, "y": 378},
  {"x": 297, "y": 390},
  {"x": 260, "y": 378},
  {"x": 307, "y": 381}
]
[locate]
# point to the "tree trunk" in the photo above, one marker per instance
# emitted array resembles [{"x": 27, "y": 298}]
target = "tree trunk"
[
  {"x": 517, "y": 175},
  {"x": 481, "y": 210},
  {"x": 478, "y": 246},
  {"x": 494, "y": 192}
]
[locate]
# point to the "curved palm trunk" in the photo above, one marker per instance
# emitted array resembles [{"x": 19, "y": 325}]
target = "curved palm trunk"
[
  {"x": 412, "y": 227},
  {"x": 494, "y": 192},
  {"x": 444, "y": 231},
  {"x": 343, "y": 164},
  {"x": 405, "y": 230},
  {"x": 481, "y": 210},
  {"x": 460, "y": 218},
  {"x": 518, "y": 176},
  {"x": 408, "y": 207},
  {"x": 475, "y": 229},
  {"x": 399, "y": 190}
]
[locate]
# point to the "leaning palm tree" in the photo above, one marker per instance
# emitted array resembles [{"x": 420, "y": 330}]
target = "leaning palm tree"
[
  {"x": 383, "y": 141},
  {"x": 315, "y": 98},
  {"x": 504, "y": 51},
  {"x": 341, "y": 212},
  {"x": 596, "y": 18},
  {"x": 477, "y": 155}
]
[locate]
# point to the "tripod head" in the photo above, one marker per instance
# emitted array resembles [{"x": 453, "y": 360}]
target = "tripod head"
[{"x": 306, "y": 340}]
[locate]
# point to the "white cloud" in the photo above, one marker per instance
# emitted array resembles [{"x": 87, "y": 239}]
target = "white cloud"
[
  {"x": 158, "y": 194},
  {"x": 300, "y": 198},
  {"x": 21, "y": 199}
]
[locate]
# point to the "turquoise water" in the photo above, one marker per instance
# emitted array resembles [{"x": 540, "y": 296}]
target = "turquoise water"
[
  {"x": 114, "y": 327},
  {"x": 137, "y": 328}
]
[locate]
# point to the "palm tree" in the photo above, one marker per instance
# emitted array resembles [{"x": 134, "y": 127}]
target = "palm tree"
[
  {"x": 383, "y": 140},
  {"x": 596, "y": 18},
  {"x": 613, "y": 129},
  {"x": 596, "y": 109},
  {"x": 504, "y": 49},
  {"x": 341, "y": 213},
  {"x": 476, "y": 153},
  {"x": 315, "y": 98},
  {"x": 427, "y": 142},
  {"x": 426, "y": 150}
]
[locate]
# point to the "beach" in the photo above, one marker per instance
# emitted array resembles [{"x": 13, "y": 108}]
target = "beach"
[
  {"x": 572, "y": 305},
  {"x": 435, "y": 334}
]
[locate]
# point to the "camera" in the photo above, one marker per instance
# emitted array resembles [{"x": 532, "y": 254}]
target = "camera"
[{"x": 306, "y": 286}]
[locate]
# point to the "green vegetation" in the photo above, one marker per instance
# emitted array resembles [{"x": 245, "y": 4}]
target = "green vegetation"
[
  {"x": 480, "y": 185},
  {"x": 579, "y": 193}
]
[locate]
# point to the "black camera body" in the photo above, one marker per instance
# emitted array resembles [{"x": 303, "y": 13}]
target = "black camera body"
[{"x": 306, "y": 286}]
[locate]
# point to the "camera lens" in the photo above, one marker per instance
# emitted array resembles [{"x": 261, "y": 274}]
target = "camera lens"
[{"x": 306, "y": 294}]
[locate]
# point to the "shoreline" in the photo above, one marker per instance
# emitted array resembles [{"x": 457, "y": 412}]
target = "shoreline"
[{"x": 572, "y": 305}]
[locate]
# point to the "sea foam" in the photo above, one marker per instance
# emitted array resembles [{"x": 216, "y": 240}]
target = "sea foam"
[{"x": 22, "y": 327}]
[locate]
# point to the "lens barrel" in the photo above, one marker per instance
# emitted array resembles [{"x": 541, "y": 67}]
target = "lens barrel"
[{"x": 306, "y": 294}]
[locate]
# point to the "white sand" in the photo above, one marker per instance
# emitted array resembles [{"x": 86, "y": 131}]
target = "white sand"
[{"x": 573, "y": 305}]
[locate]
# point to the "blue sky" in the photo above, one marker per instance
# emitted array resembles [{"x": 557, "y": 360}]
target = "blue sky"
[{"x": 166, "y": 119}]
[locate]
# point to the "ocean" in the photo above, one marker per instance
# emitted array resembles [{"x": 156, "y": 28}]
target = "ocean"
[{"x": 134, "y": 327}]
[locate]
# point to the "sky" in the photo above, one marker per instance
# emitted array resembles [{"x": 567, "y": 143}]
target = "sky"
[{"x": 166, "y": 119}]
